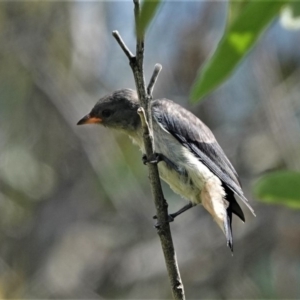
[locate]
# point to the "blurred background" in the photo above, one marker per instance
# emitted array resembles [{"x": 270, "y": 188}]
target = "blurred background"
[{"x": 75, "y": 203}]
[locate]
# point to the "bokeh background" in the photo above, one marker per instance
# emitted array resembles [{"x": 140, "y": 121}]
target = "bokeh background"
[{"x": 75, "y": 203}]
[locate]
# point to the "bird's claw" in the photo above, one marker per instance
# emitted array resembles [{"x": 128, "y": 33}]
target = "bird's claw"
[
  {"x": 158, "y": 224},
  {"x": 153, "y": 159}
]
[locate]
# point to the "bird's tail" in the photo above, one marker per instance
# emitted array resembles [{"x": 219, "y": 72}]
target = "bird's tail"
[
  {"x": 232, "y": 208},
  {"x": 227, "y": 228},
  {"x": 220, "y": 202},
  {"x": 216, "y": 202}
]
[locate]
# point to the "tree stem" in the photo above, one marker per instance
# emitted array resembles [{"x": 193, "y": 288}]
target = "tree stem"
[{"x": 145, "y": 96}]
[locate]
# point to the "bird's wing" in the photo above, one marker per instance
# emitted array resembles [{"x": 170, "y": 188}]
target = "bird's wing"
[{"x": 197, "y": 137}]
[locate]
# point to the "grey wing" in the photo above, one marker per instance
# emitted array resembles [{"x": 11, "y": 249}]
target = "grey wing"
[{"x": 198, "y": 138}]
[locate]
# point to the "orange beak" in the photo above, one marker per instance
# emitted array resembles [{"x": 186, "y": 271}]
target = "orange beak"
[{"x": 89, "y": 120}]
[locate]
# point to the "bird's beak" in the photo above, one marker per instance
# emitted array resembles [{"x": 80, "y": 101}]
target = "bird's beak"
[{"x": 89, "y": 120}]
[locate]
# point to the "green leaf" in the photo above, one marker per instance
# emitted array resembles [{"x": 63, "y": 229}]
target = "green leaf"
[
  {"x": 282, "y": 187},
  {"x": 295, "y": 6},
  {"x": 235, "y": 44},
  {"x": 148, "y": 10},
  {"x": 234, "y": 10}
]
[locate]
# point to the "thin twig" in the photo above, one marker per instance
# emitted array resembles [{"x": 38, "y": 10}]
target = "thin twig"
[
  {"x": 153, "y": 79},
  {"x": 139, "y": 36},
  {"x": 164, "y": 231},
  {"x": 144, "y": 122},
  {"x": 120, "y": 41},
  {"x": 138, "y": 67}
]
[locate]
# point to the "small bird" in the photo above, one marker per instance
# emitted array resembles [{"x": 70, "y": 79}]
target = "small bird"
[{"x": 190, "y": 159}]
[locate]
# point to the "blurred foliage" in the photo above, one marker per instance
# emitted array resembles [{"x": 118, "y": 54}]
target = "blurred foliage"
[
  {"x": 295, "y": 6},
  {"x": 236, "y": 42},
  {"x": 282, "y": 187},
  {"x": 75, "y": 203},
  {"x": 290, "y": 16},
  {"x": 148, "y": 11},
  {"x": 235, "y": 8}
]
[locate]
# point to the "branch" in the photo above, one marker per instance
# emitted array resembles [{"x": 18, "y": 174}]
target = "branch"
[
  {"x": 120, "y": 41},
  {"x": 153, "y": 79},
  {"x": 145, "y": 95},
  {"x": 144, "y": 121}
]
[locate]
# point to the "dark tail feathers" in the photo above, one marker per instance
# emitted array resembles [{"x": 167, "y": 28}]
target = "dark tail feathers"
[{"x": 232, "y": 208}]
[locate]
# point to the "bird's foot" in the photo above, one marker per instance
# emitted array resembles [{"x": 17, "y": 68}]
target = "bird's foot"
[
  {"x": 158, "y": 224},
  {"x": 171, "y": 217},
  {"x": 155, "y": 158}
]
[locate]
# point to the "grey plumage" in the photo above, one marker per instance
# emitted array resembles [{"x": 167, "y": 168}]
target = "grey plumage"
[{"x": 195, "y": 166}]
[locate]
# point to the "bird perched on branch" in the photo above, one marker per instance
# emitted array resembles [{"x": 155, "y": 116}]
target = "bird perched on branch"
[{"x": 190, "y": 159}]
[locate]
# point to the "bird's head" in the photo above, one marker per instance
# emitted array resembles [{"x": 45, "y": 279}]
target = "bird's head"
[{"x": 118, "y": 111}]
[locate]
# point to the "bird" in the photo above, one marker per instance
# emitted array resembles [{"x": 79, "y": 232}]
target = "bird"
[{"x": 189, "y": 158}]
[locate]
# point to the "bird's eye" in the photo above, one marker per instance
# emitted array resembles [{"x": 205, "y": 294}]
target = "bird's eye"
[{"x": 106, "y": 113}]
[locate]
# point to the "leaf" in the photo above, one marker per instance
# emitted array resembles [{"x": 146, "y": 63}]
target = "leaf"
[
  {"x": 295, "y": 6},
  {"x": 235, "y": 44},
  {"x": 234, "y": 10},
  {"x": 148, "y": 10},
  {"x": 282, "y": 187}
]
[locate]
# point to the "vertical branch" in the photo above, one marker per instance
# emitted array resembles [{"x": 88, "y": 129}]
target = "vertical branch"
[
  {"x": 145, "y": 95},
  {"x": 137, "y": 66}
]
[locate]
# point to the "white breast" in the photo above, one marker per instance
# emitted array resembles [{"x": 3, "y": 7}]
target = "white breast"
[
  {"x": 199, "y": 186},
  {"x": 198, "y": 174}
]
